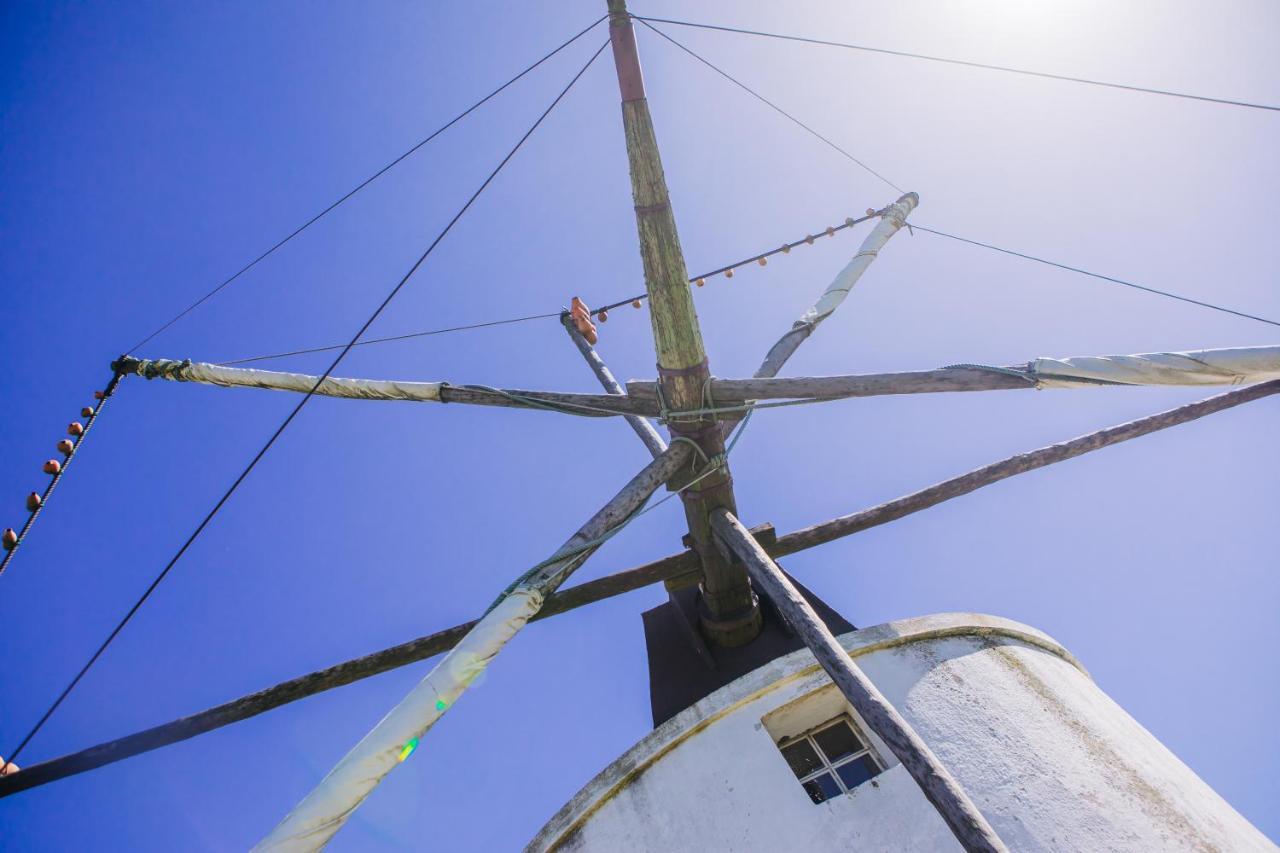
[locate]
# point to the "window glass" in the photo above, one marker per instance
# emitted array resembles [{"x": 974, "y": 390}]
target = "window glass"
[
  {"x": 857, "y": 771},
  {"x": 822, "y": 788},
  {"x": 802, "y": 757},
  {"x": 838, "y": 741},
  {"x": 830, "y": 759}
]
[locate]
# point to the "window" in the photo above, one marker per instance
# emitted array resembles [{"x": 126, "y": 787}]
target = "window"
[{"x": 830, "y": 760}]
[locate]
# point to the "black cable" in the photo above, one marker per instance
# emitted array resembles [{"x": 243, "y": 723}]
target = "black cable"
[
  {"x": 184, "y": 312},
  {"x": 786, "y": 247},
  {"x": 766, "y": 101},
  {"x": 392, "y": 338},
  {"x": 963, "y": 62},
  {"x": 13, "y": 755},
  {"x": 62, "y": 470},
  {"x": 929, "y": 230},
  {"x": 914, "y": 227}
]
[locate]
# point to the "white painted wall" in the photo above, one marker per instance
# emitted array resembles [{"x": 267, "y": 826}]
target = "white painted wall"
[{"x": 1052, "y": 762}]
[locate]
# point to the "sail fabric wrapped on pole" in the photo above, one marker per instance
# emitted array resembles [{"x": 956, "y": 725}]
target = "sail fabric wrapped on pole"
[
  {"x": 584, "y": 405},
  {"x": 1235, "y": 366},
  {"x": 318, "y": 818},
  {"x": 213, "y": 374},
  {"x": 323, "y": 812},
  {"x": 642, "y": 428},
  {"x": 893, "y": 218}
]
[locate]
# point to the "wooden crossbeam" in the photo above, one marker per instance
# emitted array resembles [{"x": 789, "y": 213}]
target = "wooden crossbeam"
[
  {"x": 660, "y": 570},
  {"x": 1019, "y": 464},
  {"x": 728, "y": 392}
]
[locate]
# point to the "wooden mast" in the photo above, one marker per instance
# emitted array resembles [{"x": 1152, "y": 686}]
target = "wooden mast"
[{"x": 730, "y": 614}]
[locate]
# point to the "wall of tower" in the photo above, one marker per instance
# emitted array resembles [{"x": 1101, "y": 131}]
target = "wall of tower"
[{"x": 1048, "y": 757}]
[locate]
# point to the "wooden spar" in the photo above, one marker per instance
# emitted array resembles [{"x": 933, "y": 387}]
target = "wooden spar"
[
  {"x": 551, "y": 400},
  {"x": 731, "y": 615},
  {"x": 968, "y": 825},
  {"x": 598, "y": 405},
  {"x": 728, "y": 392},
  {"x": 642, "y": 427},
  {"x": 664, "y": 569},
  {"x": 1019, "y": 464}
]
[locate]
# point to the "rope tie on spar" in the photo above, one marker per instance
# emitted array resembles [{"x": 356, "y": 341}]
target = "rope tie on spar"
[
  {"x": 1031, "y": 377},
  {"x": 1005, "y": 371},
  {"x": 712, "y": 464},
  {"x": 11, "y": 540},
  {"x": 697, "y": 449}
]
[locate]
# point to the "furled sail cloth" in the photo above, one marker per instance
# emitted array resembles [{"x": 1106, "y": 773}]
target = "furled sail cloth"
[
  {"x": 891, "y": 221},
  {"x": 213, "y": 374},
  {"x": 1234, "y": 366},
  {"x": 315, "y": 820}
]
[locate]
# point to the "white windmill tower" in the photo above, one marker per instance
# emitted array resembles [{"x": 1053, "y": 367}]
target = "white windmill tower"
[{"x": 778, "y": 726}]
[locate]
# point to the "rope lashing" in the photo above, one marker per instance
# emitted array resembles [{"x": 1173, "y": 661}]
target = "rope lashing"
[
  {"x": 712, "y": 464},
  {"x": 152, "y": 368},
  {"x": 11, "y": 539},
  {"x": 1032, "y": 377},
  {"x": 1006, "y": 371},
  {"x": 697, "y": 448}
]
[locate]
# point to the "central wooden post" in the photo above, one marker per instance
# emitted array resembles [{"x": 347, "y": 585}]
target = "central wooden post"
[{"x": 730, "y": 612}]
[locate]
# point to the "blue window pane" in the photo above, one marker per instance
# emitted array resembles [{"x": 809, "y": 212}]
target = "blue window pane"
[
  {"x": 822, "y": 788},
  {"x": 838, "y": 741},
  {"x": 802, "y": 758},
  {"x": 857, "y": 771}
]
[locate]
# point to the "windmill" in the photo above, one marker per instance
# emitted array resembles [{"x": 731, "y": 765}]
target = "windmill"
[{"x": 739, "y": 589}]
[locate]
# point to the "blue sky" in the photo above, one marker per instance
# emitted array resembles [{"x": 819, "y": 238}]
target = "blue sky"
[{"x": 148, "y": 150}]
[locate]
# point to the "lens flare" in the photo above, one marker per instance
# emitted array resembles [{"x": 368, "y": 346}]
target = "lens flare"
[{"x": 408, "y": 748}]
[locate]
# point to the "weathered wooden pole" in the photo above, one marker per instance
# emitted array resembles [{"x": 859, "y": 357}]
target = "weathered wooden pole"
[
  {"x": 734, "y": 392},
  {"x": 953, "y": 804},
  {"x": 730, "y": 613},
  {"x": 642, "y": 427}
]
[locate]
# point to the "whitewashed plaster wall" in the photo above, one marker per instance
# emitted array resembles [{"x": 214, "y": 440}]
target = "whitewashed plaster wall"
[{"x": 1050, "y": 759}]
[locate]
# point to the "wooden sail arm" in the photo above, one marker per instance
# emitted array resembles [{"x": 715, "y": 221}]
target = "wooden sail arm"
[
  {"x": 590, "y": 405},
  {"x": 937, "y": 784},
  {"x": 1232, "y": 366},
  {"x": 655, "y": 572}
]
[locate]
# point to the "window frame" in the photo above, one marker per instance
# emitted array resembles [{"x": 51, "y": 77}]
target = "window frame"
[{"x": 829, "y": 767}]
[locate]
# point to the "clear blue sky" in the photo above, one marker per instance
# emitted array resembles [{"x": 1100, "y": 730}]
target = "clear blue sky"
[{"x": 149, "y": 149}]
